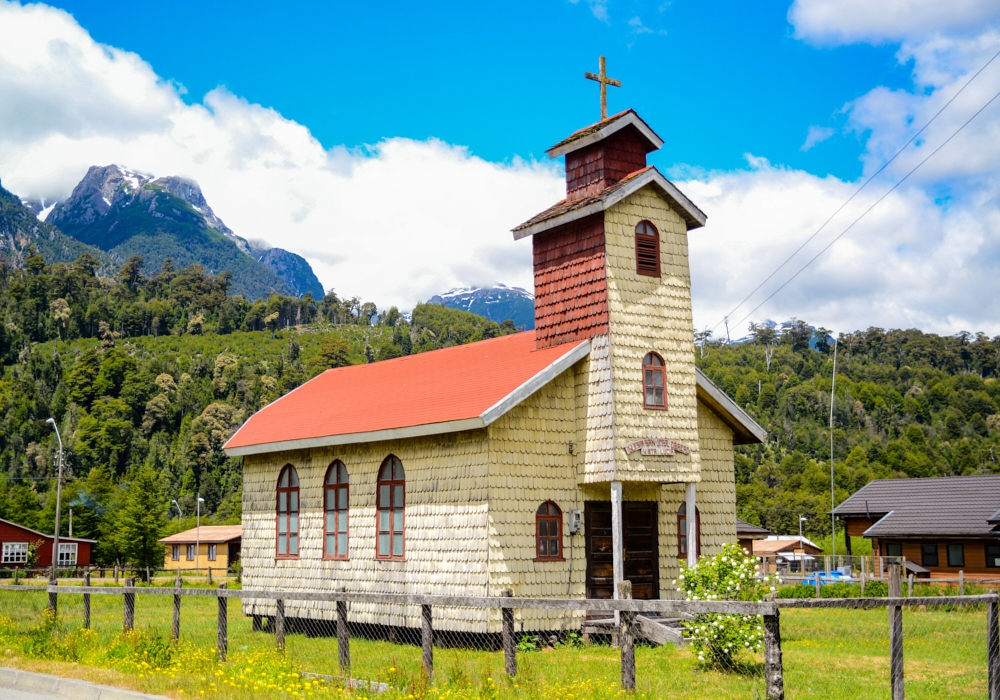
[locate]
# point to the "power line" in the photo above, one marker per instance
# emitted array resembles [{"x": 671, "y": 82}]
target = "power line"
[
  {"x": 891, "y": 190},
  {"x": 857, "y": 191}
]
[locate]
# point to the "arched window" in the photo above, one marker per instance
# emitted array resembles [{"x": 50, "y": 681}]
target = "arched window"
[
  {"x": 335, "y": 502},
  {"x": 548, "y": 532},
  {"x": 647, "y": 250},
  {"x": 654, "y": 382},
  {"x": 288, "y": 513},
  {"x": 391, "y": 504},
  {"x": 682, "y": 532}
]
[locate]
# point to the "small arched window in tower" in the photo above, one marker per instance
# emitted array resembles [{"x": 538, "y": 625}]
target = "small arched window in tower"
[
  {"x": 548, "y": 532},
  {"x": 288, "y": 513},
  {"x": 335, "y": 504},
  {"x": 391, "y": 504},
  {"x": 654, "y": 382},
  {"x": 647, "y": 250},
  {"x": 682, "y": 532}
]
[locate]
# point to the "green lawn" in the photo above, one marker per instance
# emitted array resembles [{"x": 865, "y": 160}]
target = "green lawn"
[{"x": 827, "y": 654}]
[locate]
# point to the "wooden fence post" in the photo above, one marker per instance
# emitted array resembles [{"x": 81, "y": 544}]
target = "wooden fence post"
[
  {"x": 427, "y": 637},
  {"x": 896, "y": 635},
  {"x": 279, "y": 624},
  {"x": 128, "y": 621},
  {"x": 961, "y": 582},
  {"x": 626, "y": 638},
  {"x": 909, "y": 586},
  {"x": 773, "y": 668},
  {"x": 116, "y": 574},
  {"x": 86, "y": 601},
  {"x": 175, "y": 631},
  {"x": 343, "y": 637},
  {"x": 509, "y": 644},
  {"x": 819, "y": 592},
  {"x": 210, "y": 576},
  {"x": 993, "y": 648},
  {"x": 223, "y": 626}
]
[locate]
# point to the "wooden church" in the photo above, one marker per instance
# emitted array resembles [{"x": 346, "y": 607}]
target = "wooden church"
[{"x": 554, "y": 462}]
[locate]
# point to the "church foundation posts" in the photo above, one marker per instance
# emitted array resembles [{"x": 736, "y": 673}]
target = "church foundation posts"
[
  {"x": 773, "y": 671},
  {"x": 509, "y": 643},
  {"x": 993, "y": 649},
  {"x": 616, "y": 540},
  {"x": 691, "y": 520},
  {"x": 223, "y": 625},
  {"x": 626, "y": 638}
]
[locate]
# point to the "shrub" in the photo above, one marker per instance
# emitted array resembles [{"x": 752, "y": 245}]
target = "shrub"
[
  {"x": 876, "y": 589},
  {"x": 841, "y": 589},
  {"x": 731, "y": 574},
  {"x": 797, "y": 592}
]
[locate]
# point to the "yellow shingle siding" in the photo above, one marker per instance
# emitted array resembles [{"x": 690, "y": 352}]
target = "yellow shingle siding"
[
  {"x": 651, "y": 314},
  {"x": 446, "y": 512},
  {"x": 717, "y": 490}
]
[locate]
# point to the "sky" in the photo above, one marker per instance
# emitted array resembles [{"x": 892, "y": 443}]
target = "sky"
[{"x": 395, "y": 145}]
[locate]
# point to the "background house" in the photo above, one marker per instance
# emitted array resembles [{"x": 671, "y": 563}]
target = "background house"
[
  {"x": 747, "y": 533},
  {"x": 16, "y": 545},
  {"x": 789, "y": 552},
  {"x": 216, "y": 546},
  {"x": 944, "y": 524}
]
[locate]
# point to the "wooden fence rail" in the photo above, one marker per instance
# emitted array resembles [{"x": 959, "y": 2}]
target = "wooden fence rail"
[{"x": 507, "y": 604}]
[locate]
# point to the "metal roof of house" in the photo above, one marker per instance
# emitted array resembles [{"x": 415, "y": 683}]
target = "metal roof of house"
[
  {"x": 62, "y": 538},
  {"x": 209, "y": 534},
  {"x": 946, "y": 506}
]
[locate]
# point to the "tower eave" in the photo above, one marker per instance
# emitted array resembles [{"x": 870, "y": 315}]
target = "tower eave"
[{"x": 603, "y": 129}]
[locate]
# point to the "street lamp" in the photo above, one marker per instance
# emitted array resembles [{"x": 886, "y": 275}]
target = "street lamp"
[
  {"x": 802, "y": 519},
  {"x": 55, "y": 540},
  {"x": 180, "y": 513},
  {"x": 197, "y": 535},
  {"x": 802, "y": 549}
]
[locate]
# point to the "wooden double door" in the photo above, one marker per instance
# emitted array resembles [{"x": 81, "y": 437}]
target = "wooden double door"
[{"x": 640, "y": 549}]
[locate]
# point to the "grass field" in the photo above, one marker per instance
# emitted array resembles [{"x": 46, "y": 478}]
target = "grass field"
[{"x": 827, "y": 654}]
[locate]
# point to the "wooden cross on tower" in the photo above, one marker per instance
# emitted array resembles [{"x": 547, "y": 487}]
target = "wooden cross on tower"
[{"x": 604, "y": 80}]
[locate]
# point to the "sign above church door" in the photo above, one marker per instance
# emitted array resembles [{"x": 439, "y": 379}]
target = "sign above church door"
[{"x": 657, "y": 446}]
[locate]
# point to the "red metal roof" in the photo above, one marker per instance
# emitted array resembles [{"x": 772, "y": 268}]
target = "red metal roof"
[{"x": 441, "y": 386}]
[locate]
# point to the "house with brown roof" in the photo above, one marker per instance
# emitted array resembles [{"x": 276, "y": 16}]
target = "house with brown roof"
[
  {"x": 201, "y": 548},
  {"x": 943, "y": 524},
  {"x": 560, "y": 460},
  {"x": 748, "y": 533}
]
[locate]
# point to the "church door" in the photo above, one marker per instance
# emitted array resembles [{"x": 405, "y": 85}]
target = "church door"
[{"x": 641, "y": 551}]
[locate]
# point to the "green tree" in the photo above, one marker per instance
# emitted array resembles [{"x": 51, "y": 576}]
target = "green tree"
[
  {"x": 140, "y": 521},
  {"x": 333, "y": 352}
]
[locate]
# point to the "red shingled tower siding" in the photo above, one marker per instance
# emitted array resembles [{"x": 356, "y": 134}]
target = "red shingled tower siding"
[
  {"x": 571, "y": 290},
  {"x": 592, "y": 168}
]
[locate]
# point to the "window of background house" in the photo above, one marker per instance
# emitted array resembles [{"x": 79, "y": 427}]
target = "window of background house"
[
  {"x": 654, "y": 381},
  {"x": 213, "y": 550},
  {"x": 67, "y": 553},
  {"x": 548, "y": 532},
  {"x": 929, "y": 554},
  {"x": 336, "y": 501},
  {"x": 894, "y": 549},
  {"x": 682, "y": 531},
  {"x": 175, "y": 553},
  {"x": 956, "y": 554},
  {"x": 391, "y": 504},
  {"x": 647, "y": 250},
  {"x": 15, "y": 552},
  {"x": 993, "y": 554},
  {"x": 189, "y": 554},
  {"x": 288, "y": 513}
]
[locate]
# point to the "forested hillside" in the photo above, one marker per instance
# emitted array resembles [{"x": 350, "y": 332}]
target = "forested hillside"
[
  {"x": 147, "y": 376},
  {"x": 908, "y": 404}
]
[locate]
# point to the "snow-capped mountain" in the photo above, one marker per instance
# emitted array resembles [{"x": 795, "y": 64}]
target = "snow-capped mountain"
[{"x": 495, "y": 303}]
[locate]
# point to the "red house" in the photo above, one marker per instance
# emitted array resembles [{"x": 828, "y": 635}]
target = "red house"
[{"x": 15, "y": 541}]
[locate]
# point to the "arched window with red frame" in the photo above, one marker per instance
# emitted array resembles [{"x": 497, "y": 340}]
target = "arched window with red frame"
[
  {"x": 647, "y": 250},
  {"x": 336, "y": 500},
  {"x": 391, "y": 541},
  {"x": 288, "y": 513},
  {"x": 682, "y": 533},
  {"x": 654, "y": 382},
  {"x": 548, "y": 532}
]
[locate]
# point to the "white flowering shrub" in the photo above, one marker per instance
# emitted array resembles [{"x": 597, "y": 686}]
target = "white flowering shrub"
[{"x": 732, "y": 574}]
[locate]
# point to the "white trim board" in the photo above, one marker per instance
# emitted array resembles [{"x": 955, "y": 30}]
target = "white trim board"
[
  {"x": 630, "y": 118},
  {"x": 490, "y": 415}
]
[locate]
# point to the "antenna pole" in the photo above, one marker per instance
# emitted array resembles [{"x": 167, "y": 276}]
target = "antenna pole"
[{"x": 833, "y": 503}]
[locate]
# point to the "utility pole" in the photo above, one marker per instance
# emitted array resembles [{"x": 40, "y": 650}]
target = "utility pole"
[
  {"x": 180, "y": 514},
  {"x": 53, "y": 574},
  {"x": 833, "y": 504},
  {"x": 197, "y": 533}
]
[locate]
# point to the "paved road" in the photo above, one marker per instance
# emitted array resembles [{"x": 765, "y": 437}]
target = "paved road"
[{"x": 11, "y": 694}]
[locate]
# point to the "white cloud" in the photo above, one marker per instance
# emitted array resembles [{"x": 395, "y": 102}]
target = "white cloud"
[
  {"x": 816, "y": 134},
  {"x": 598, "y": 8},
  {"x": 848, "y": 21},
  {"x": 394, "y": 222}
]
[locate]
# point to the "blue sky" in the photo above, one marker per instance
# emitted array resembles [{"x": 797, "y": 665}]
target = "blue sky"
[
  {"x": 716, "y": 79},
  {"x": 395, "y": 145}
]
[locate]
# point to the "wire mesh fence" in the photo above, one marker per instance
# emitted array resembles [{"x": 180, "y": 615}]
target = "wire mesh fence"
[{"x": 232, "y": 643}]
